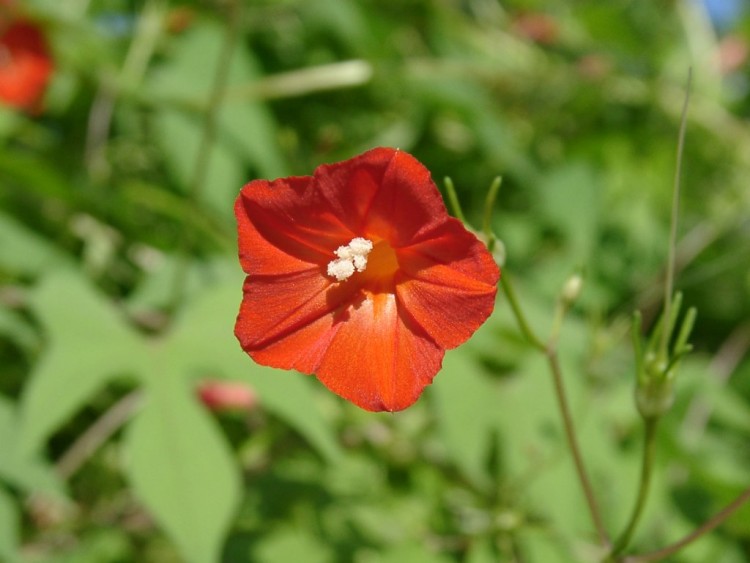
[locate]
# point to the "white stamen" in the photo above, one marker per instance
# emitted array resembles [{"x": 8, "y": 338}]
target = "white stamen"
[{"x": 351, "y": 257}]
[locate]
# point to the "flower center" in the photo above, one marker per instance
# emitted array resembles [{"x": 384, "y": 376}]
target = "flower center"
[
  {"x": 361, "y": 254},
  {"x": 351, "y": 257},
  {"x": 382, "y": 263}
]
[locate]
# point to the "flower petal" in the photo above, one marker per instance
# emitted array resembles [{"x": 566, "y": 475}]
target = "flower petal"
[
  {"x": 279, "y": 316},
  {"x": 284, "y": 227},
  {"x": 378, "y": 359},
  {"x": 448, "y": 284},
  {"x": 26, "y": 66},
  {"x": 385, "y": 192}
]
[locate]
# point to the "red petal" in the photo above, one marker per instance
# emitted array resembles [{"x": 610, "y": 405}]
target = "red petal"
[
  {"x": 448, "y": 284},
  {"x": 284, "y": 227},
  {"x": 275, "y": 308},
  {"x": 378, "y": 359},
  {"x": 24, "y": 76},
  {"x": 361, "y": 349},
  {"x": 385, "y": 192}
]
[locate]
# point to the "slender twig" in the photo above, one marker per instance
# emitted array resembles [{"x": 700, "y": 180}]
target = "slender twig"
[
  {"x": 489, "y": 205},
  {"x": 717, "y": 519},
  {"x": 453, "y": 201},
  {"x": 575, "y": 450},
  {"x": 669, "y": 282},
  {"x": 98, "y": 433},
  {"x": 523, "y": 324},
  {"x": 203, "y": 157},
  {"x": 550, "y": 352},
  {"x": 647, "y": 466}
]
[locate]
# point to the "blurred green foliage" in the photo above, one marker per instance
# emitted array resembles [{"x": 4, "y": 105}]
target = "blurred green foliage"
[{"x": 104, "y": 226}]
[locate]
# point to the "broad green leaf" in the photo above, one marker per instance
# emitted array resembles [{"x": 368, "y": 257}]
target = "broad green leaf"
[
  {"x": 10, "y": 527},
  {"x": 23, "y": 252},
  {"x": 27, "y": 472},
  {"x": 17, "y": 329},
  {"x": 89, "y": 343},
  {"x": 182, "y": 470}
]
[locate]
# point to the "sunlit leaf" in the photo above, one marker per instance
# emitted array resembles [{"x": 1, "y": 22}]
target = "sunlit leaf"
[
  {"x": 182, "y": 470},
  {"x": 25, "y": 471},
  {"x": 10, "y": 527},
  {"x": 24, "y": 252},
  {"x": 89, "y": 343}
]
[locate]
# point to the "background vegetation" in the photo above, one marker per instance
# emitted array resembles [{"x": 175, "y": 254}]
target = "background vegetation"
[{"x": 119, "y": 283}]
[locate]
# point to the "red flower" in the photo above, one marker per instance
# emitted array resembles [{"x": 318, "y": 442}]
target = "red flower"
[
  {"x": 358, "y": 275},
  {"x": 25, "y": 64}
]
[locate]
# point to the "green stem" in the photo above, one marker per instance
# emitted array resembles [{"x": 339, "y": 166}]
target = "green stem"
[
  {"x": 489, "y": 204},
  {"x": 647, "y": 466},
  {"x": 518, "y": 313},
  {"x": 453, "y": 201},
  {"x": 669, "y": 283},
  {"x": 553, "y": 361},
  {"x": 203, "y": 157},
  {"x": 575, "y": 450},
  {"x": 709, "y": 525}
]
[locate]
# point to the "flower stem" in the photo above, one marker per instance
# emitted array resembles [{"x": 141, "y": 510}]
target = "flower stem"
[
  {"x": 707, "y": 526},
  {"x": 575, "y": 450},
  {"x": 489, "y": 204},
  {"x": 526, "y": 329},
  {"x": 647, "y": 465},
  {"x": 669, "y": 282},
  {"x": 453, "y": 201},
  {"x": 550, "y": 352}
]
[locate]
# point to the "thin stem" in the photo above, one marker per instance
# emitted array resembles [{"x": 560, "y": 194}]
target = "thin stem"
[
  {"x": 203, "y": 157},
  {"x": 526, "y": 329},
  {"x": 647, "y": 466},
  {"x": 709, "y": 525},
  {"x": 453, "y": 201},
  {"x": 570, "y": 434},
  {"x": 489, "y": 204},
  {"x": 550, "y": 353},
  {"x": 669, "y": 282},
  {"x": 98, "y": 433}
]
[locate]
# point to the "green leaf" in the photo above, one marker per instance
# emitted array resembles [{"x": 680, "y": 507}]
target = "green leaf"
[
  {"x": 10, "y": 527},
  {"x": 23, "y": 252},
  {"x": 89, "y": 343},
  {"x": 25, "y": 471},
  {"x": 17, "y": 329},
  {"x": 182, "y": 470}
]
